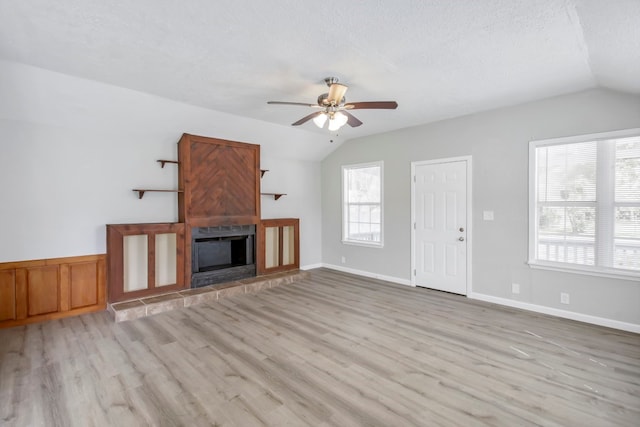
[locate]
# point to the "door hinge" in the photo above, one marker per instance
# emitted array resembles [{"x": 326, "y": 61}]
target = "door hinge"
[
  {"x": 414, "y": 271},
  {"x": 414, "y": 178},
  {"x": 414, "y": 225}
]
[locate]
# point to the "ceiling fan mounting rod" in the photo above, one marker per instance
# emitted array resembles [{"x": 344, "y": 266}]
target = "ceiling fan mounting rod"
[{"x": 331, "y": 80}]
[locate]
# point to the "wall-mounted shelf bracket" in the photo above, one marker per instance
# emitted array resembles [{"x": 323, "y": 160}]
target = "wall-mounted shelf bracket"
[
  {"x": 276, "y": 196},
  {"x": 141, "y": 191},
  {"x": 163, "y": 162},
  {"x": 263, "y": 171}
]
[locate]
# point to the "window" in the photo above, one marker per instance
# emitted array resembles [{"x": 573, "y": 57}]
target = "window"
[
  {"x": 362, "y": 204},
  {"x": 585, "y": 203}
]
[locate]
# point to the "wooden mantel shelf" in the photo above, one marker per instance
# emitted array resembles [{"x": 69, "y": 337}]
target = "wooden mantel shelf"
[
  {"x": 276, "y": 196},
  {"x": 141, "y": 191}
]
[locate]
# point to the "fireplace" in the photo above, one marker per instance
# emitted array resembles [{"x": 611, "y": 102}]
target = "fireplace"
[{"x": 222, "y": 254}]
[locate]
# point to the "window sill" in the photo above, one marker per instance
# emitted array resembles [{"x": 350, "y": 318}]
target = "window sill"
[
  {"x": 585, "y": 270},
  {"x": 363, "y": 243}
]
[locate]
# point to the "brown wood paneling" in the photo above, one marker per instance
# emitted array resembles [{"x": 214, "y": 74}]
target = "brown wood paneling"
[
  {"x": 21, "y": 293},
  {"x": 83, "y": 285},
  {"x": 102, "y": 282},
  {"x": 65, "y": 291},
  {"x": 45, "y": 289},
  {"x": 7, "y": 295},
  {"x": 221, "y": 184},
  {"x": 280, "y": 223},
  {"x": 43, "y": 294},
  {"x": 220, "y": 179},
  {"x": 115, "y": 258}
]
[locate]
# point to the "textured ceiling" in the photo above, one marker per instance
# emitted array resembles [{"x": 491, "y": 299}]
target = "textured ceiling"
[{"x": 436, "y": 58}]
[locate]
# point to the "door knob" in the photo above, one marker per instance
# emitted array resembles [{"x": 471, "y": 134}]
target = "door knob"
[
  {"x": 461, "y": 229},
  {"x": 461, "y": 239}
]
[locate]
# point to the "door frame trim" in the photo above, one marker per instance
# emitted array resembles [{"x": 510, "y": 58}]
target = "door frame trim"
[{"x": 469, "y": 163}]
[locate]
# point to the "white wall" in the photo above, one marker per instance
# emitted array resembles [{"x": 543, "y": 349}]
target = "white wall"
[
  {"x": 71, "y": 151},
  {"x": 300, "y": 181},
  {"x": 498, "y": 141}
]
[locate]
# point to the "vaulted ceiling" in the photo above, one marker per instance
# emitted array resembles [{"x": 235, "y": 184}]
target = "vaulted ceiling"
[{"x": 436, "y": 58}]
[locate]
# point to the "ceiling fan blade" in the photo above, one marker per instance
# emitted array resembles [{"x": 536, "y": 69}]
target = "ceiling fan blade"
[
  {"x": 336, "y": 93},
  {"x": 291, "y": 103},
  {"x": 382, "y": 105},
  {"x": 351, "y": 119},
  {"x": 307, "y": 118}
]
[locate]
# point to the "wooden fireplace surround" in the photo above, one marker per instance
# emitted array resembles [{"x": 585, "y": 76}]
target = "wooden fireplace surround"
[
  {"x": 220, "y": 182},
  {"x": 219, "y": 185}
]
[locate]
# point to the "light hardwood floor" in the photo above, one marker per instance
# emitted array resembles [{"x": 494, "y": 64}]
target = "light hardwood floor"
[{"x": 333, "y": 350}]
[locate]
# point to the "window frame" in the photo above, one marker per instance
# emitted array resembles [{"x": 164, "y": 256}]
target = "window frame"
[
  {"x": 345, "y": 205},
  {"x": 595, "y": 270}
]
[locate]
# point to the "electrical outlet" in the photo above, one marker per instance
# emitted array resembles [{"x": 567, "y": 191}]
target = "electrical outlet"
[
  {"x": 344, "y": 259},
  {"x": 564, "y": 298},
  {"x": 515, "y": 288}
]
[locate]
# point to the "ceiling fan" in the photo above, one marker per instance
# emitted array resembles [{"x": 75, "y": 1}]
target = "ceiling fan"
[{"x": 333, "y": 107}]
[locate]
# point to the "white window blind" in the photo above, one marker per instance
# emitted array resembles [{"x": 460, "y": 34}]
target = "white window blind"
[
  {"x": 585, "y": 203},
  {"x": 362, "y": 204}
]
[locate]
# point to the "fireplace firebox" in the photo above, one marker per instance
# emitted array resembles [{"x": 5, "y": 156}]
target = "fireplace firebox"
[{"x": 222, "y": 254}]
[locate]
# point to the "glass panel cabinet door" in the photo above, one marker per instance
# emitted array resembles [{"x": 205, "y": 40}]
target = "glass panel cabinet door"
[
  {"x": 279, "y": 243},
  {"x": 272, "y": 244},
  {"x": 135, "y": 271},
  {"x": 144, "y": 259},
  {"x": 166, "y": 260},
  {"x": 288, "y": 245}
]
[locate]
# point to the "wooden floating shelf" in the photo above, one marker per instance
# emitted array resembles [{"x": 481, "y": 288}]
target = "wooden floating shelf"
[
  {"x": 163, "y": 162},
  {"x": 141, "y": 191},
  {"x": 276, "y": 196}
]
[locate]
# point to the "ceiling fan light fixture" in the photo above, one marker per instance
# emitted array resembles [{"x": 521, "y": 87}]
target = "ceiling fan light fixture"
[
  {"x": 337, "y": 121},
  {"x": 320, "y": 120},
  {"x": 341, "y": 118},
  {"x": 333, "y": 108}
]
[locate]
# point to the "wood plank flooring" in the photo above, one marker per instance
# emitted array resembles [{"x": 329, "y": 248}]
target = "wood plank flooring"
[{"x": 332, "y": 350}]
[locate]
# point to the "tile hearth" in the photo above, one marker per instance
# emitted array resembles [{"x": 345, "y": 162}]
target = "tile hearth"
[{"x": 135, "y": 309}]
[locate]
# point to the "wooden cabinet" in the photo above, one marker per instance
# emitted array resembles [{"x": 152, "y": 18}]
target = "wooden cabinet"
[
  {"x": 144, "y": 259},
  {"x": 32, "y": 291},
  {"x": 279, "y": 245}
]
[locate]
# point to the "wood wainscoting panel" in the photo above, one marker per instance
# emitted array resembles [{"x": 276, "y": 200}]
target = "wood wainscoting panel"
[
  {"x": 83, "y": 286},
  {"x": 43, "y": 290},
  {"x": 7, "y": 295},
  {"x": 38, "y": 290}
]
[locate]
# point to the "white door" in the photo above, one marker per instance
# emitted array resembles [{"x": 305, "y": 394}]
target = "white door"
[{"x": 439, "y": 250}]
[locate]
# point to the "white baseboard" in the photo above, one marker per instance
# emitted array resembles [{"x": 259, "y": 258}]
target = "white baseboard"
[
  {"x": 595, "y": 320},
  {"x": 601, "y": 321},
  {"x": 368, "y": 274},
  {"x": 311, "y": 266}
]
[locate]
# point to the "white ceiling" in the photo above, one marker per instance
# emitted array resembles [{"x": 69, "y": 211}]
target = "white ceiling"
[{"x": 436, "y": 58}]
